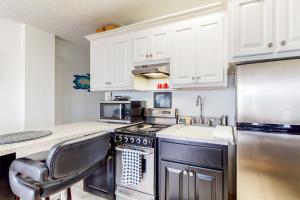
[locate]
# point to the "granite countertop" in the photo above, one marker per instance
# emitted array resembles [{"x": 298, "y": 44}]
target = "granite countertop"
[
  {"x": 60, "y": 133},
  {"x": 222, "y": 135}
]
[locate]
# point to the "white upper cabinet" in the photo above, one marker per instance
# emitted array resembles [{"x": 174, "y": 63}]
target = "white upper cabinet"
[
  {"x": 210, "y": 50},
  {"x": 160, "y": 43},
  {"x": 151, "y": 45},
  {"x": 100, "y": 62},
  {"x": 288, "y": 25},
  {"x": 183, "y": 62},
  {"x": 141, "y": 47},
  {"x": 111, "y": 64},
  {"x": 252, "y": 27},
  {"x": 264, "y": 29},
  {"x": 120, "y": 62},
  {"x": 198, "y": 58}
]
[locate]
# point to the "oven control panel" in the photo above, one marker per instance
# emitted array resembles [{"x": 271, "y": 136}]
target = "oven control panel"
[{"x": 134, "y": 140}]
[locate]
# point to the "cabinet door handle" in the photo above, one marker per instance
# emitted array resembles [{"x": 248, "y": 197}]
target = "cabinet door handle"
[
  {"x": 191, "y": 174},
  {"x": 147, "y": 55},
  {"x": 150, "y": 55},
  {"x": 193, "y": 78},
  {"x": 283, "y": 43},
  {"x": 185, "y": 172},
  {"x": 270, "y": 45},
  {"x": 198, "y": 77}
]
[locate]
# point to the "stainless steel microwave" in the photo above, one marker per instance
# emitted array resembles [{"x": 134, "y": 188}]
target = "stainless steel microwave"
[{"x": 122, "y": 111}]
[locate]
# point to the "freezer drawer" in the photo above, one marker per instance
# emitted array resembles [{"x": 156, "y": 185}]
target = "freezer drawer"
[{"x": 268, "y": 166}]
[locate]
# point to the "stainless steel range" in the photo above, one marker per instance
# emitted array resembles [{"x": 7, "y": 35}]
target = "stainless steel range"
[{"x": 141, "y": 137}]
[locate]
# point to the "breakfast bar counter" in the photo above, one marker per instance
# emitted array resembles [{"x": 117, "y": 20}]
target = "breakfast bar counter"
[{"x": 60, "y": 133}]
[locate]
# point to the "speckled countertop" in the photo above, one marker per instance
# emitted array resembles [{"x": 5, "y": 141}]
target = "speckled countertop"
[{"x": 60, "y": 133}]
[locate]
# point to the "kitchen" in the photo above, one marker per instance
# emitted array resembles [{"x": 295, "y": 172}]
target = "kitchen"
[{"x": 200, "y": 95}]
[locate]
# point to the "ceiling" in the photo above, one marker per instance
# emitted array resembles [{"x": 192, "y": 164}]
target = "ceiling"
[{"x": 73, "y": 19}]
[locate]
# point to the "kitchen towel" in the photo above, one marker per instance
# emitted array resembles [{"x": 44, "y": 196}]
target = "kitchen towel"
[{"x": 131, "y": 167}]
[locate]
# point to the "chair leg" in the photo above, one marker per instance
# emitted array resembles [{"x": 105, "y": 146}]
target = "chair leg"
[{"x": 69, "y": 194}]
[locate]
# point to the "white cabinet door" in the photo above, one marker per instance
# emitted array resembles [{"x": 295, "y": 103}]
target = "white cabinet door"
[
  {"x": 183, "y": 62},
  {"x": 100, "y": 62},
  {"x": 253, "y": 27},
  {"x": 288, "y": 25},
  {"x": 160, "y": 38},
  {"x": 210, "y": 50},
  {"x": 120, "y": 62},
  {"x": 141, "y": 47}
]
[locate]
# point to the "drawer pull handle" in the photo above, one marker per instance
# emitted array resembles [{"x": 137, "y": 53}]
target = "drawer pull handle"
[{"x": 185, "y": 172}]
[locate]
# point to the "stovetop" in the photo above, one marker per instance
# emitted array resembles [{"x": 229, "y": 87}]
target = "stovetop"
[
  {"x": 143, "y": 134},
  {"x": 142, "y": 129},
  {"x": 139, "y": 134}
]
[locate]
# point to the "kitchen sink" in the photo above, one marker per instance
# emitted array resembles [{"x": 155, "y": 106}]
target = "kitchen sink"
[{"x": 195, "y": 131}]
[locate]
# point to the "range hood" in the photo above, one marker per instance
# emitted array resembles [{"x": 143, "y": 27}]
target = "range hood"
[{"x": 153, "y": 71}]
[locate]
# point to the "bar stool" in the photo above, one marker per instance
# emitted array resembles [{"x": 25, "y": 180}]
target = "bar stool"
[{"x": 67, "y": 163}]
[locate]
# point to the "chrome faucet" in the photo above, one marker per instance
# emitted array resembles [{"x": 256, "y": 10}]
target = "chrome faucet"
[{"x": 200, "y": 104}]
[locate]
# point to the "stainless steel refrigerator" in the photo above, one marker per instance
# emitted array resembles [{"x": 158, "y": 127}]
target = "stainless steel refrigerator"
[{"x": 268, "y": 130}]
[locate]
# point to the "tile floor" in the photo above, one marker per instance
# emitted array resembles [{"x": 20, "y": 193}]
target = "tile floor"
[{"x": 77, "y": 194}]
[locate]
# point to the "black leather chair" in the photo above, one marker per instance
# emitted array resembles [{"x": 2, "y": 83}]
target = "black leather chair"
[{"x": 67, "y": 163}]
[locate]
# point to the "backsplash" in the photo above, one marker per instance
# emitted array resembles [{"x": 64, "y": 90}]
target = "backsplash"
[{"x": 216, "y": 102}]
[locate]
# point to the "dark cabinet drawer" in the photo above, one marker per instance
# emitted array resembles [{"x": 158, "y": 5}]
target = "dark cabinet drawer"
[{"x": 193, "y": 154}]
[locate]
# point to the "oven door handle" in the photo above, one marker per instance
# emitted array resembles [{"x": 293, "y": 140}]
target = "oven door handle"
[
  {"x": 143, "y": 152},
  {"x": 120, "y": 110},
  {"x": 124, "y": 196},
  {"x": 119, "y": 193}
]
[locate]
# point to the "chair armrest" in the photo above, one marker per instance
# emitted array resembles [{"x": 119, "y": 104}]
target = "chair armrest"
[{"x": 26, "y": 167}]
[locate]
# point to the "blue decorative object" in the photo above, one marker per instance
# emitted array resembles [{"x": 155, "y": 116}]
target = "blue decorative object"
[{"x": 82, "y": 82}]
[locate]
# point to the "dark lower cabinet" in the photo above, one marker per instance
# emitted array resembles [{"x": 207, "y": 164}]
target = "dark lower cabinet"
[
  {"x": 102, "y": 181},
  {"x": 192, "y": 170},
  {"x": 173, "y": 181},
  {"x": 183, "y": 182},
  {"x": 205, "y": 184}
]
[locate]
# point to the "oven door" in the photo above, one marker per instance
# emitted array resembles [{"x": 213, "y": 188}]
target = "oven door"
[{"x": 147, "y": 183}]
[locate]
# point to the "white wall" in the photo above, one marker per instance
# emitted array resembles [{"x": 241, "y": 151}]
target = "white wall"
[
  {"x": 39, "y": 78},
  {"x": 11, "y": 107},
  {"x": 73, "y": 105},
  {"x": 26, "y": 77},
  {"x": 216, "y": 102}
]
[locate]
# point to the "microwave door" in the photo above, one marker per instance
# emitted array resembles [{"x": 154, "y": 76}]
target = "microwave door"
[{"x": 111, "y": 111}]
